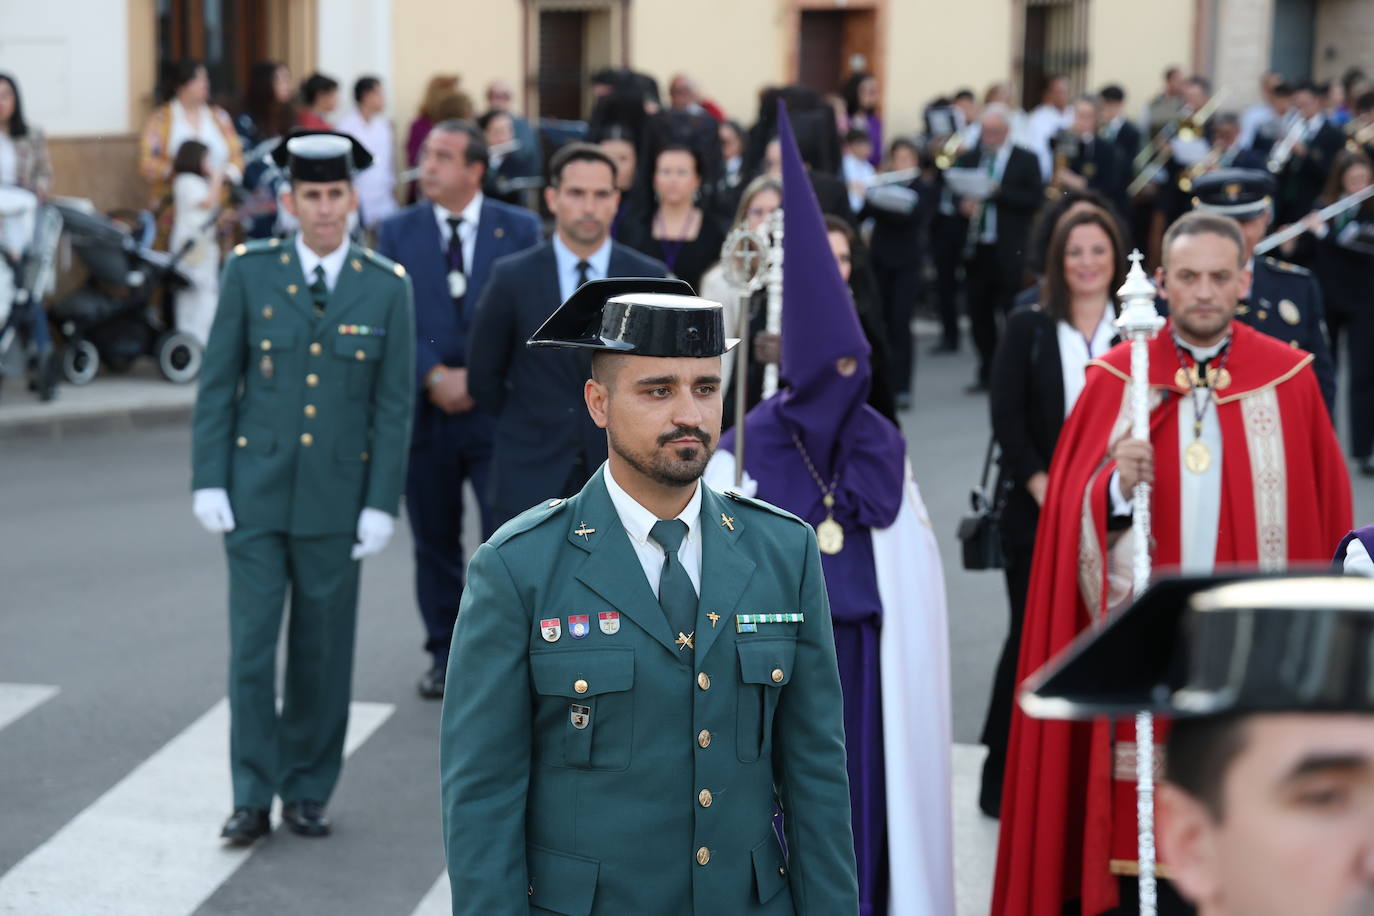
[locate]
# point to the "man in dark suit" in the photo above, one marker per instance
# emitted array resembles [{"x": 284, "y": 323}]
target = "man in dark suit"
[
  {"x": 1304, "y": 174},
  {"x": 545, "y": 445},
  {"x": 447, "y": 244},
  {"x": 998, "y": 228}
]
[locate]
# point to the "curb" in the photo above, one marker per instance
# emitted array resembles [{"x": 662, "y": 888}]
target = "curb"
[{"x": 93, "y": 422}]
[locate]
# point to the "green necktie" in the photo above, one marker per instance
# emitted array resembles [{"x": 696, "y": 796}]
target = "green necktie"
[
  {"x": 319, "y": 292},
  {"x": 676, "y": 595}
]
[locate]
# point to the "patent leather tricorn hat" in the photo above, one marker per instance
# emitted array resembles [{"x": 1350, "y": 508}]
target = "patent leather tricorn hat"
[{"x": 639, "y": 316}]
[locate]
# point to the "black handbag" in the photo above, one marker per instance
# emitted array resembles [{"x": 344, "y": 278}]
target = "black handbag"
[{"x": 981, "y": 532}]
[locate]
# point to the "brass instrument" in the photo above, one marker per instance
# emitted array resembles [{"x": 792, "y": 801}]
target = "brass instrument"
[
  {"x": 1359, "y": 136},
  {"x": 1186, "y": 127},
  {"x": 949, "y": 151},
  {"x": 1283, "y": 150},
  {"x": 1350, "y": 201},
  {"x": 1066, "y": 147},
  {"x": 1201, "y": 167}
]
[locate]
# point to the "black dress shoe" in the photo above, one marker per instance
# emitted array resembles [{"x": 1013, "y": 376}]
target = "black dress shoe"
[
  {"x": 431, "y": 684},
  {"x": 246, "y": 825},
  {"x": 978, "y": 387},
  {"x": 1367, "y": 467},
  {"x": 306, "y": 818}
]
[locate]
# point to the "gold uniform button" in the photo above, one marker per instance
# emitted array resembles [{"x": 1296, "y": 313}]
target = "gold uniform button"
[
  {"x": 703, "y": 856},
  {"x": 777, "y": 675},
  {"x": 704, "y": 681},
  {"x": 316, "y": 349},
  {"x": 579, "y": 686},
  {"x": 312, "y": 380},
  {"x": 241, "y": 441},
  {"x": 704, "y": 738},
  {"x": 781, "y": 870},
  {"x": 266, "y": 345},
  {"x": 364, "y": 456},
  {"x": 307, "y": 440},
  {"x": 360, "y": 355},
  {"x": 291, "y": 289},
  {"x": 704, "y": 798},
  {"x": 267, "y": 311},
  {"x": 310, "y": 411}
]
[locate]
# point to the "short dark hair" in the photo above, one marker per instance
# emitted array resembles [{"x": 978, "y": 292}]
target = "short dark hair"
[
  {"x": 177, "y": 74},
  {"x": 1198, "y": 754},
  {"x": 1283, "y": 90},
  {"x": 1364, "y": 102},
  {"x": 605, "y": 365},
  {"x": 190, "y": 158},
  {"x": 904, "y": 143},
  {"x": 1112, "y": 93},
  {"x": 1054, "y": 296},
  {"x": 1201, "y": 222},
  {"x": 680, "y": 148},
  {"x": 1306, "y": 86},
  {"x": 316, "y": 85},
  {"x": 577, "y": 152},
  {"x": 476, "y": 150},
  {"x": 857, "y": 135},
  {"x": 1200, "y": 82},
  {"x": 363, "y": 86},
  {"x": 1225, "y": 119},
  {"x": 964, "y": 95},
  {"x": 1171, "y": 71},
  {"x": 485, "y": 118}
]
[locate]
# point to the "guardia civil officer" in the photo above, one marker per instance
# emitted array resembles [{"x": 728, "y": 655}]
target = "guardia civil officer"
[
  {"x": 299, "y": 444},
  {"x": 1285, "y": 300},
  {"x": 1267, "y": 803},
  {"x": 641, "y": 672}
]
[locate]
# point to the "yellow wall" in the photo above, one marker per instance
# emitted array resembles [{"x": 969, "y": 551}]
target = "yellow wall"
[
  {"x": 730, "y": 63},
  {"x": 480, "y": 42},
  {"x": 935, "y": 48},
  {"x": 1132, "y": 43}
]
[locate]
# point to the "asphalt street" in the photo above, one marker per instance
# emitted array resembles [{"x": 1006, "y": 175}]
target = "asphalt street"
[{"x": 113, "y": 648}]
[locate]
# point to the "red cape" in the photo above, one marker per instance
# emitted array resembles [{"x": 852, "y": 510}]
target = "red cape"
[{"x": 1285, "y": 500}]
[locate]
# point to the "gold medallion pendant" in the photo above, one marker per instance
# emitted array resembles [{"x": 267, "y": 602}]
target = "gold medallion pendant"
[
  {"x": 1197, "y": 457},
  {"x": 830, "y": 536}
]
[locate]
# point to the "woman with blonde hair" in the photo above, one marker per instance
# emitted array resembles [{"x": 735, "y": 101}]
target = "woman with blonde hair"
[{"x": 186, "y": 115}]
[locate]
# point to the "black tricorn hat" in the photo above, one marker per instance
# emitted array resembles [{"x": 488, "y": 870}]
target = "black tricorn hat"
[
  {"x": 321, "y": 155},
  {"x": 1216, "y": 645},
  {"x": 639, "y": 315},
  {"x": 1238, "y": 193}
]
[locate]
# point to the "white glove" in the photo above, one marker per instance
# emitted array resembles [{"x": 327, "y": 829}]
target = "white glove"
[
  {"x": 211, "y": 508},
  {"x": 374, "y": 531}
]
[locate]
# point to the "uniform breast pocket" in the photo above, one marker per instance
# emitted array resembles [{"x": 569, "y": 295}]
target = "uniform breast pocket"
[
  {"x": 271, "y": 351},
  {"x": 765, "y": 667},
  {"x": 585, "y": 714},
  {"x": 362, "y": 355}
]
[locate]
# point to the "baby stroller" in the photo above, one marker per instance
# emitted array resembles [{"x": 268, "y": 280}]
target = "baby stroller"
[
  {"x": 111, "y": 319},
  {"x": 29, "y": 233}
]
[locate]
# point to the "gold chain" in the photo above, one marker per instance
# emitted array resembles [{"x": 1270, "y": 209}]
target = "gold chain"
[{"x": 827, "y": 495}]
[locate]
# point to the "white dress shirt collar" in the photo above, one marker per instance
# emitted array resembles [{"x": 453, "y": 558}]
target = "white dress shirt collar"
[
  {"x": 332, "y": 262},
  {"x": 639, "y": 521},
  {"x": 600, "y": 261},
  {"x": 471, "y": 215}
]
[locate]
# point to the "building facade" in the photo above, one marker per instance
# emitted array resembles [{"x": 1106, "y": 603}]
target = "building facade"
[{"x": 88, "y": 68}]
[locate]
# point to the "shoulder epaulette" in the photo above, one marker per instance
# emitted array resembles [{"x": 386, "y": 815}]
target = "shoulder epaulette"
[
  {"x": 257, "y": 246},
  {"x": 385, "y": 263},
  {"x": 737, "y": 496},
  {"x": 528, "y": 520},
  {"x": 1286, "y": 267}
]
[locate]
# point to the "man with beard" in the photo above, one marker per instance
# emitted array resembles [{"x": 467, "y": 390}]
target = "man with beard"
[
  {"x": 1246, "y": 472},
  {"x": 643, "y": 673}
]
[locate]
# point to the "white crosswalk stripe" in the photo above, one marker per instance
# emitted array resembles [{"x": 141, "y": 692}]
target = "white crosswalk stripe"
[
  {"x": 437, "y": 902},
  {"x": 150, "y": 844},
  {"x": 18, "y": 699}
]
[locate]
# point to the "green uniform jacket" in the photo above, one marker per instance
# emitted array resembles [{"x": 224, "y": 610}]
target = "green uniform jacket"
[
  {"x": 305, "y": 421},
  {"x": 616, "y": 774}
]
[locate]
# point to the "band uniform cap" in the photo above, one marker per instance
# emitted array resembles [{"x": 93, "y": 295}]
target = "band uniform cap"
[
  {"x": 1238, "y": 193},
  {"x": 321, "y": 155},
  {"x": 643, "y": 316},
  {"x": 1218, "y": 645}
]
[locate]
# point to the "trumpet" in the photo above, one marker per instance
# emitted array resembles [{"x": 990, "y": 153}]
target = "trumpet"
[
  {"x": 1358, "y": 136},
  {"x": 949, "y": 151},
  {"x": 1186, "y": 128},
  {"x": 1283, "y": 150}
]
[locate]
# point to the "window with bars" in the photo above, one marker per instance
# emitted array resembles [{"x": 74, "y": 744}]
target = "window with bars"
[
  {"x": 1055, "y": 42},
  {"x": 567, "y": 41}
]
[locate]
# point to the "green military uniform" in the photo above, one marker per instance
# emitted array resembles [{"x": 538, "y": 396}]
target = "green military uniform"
[
  {"x": 620, "y": 772},
  {"x": 305, "y": 420}
]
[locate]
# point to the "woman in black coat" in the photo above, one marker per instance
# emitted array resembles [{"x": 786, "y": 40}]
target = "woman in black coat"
[{"x": 1037, "y": 376}]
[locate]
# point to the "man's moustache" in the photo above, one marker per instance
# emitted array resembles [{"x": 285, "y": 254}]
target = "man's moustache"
[{"x": 685, "y": 432}]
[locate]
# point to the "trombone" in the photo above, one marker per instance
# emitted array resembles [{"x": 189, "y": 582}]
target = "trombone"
[
  {"x": 1186, "y": 128},
  {"x": 1204, "y": 165},
  {"x": 1274, "y": 240},
  {"x": 1283, "y": 150},
  {"x": 1358, "y": 136},
  {"x": 949, "y": 150}
]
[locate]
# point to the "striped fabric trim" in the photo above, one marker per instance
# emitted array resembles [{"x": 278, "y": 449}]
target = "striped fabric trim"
[{"x": 1268, "y": 471}]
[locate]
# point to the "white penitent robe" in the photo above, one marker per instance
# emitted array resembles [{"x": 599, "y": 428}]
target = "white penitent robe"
[{"x": 917, "y": 732}]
